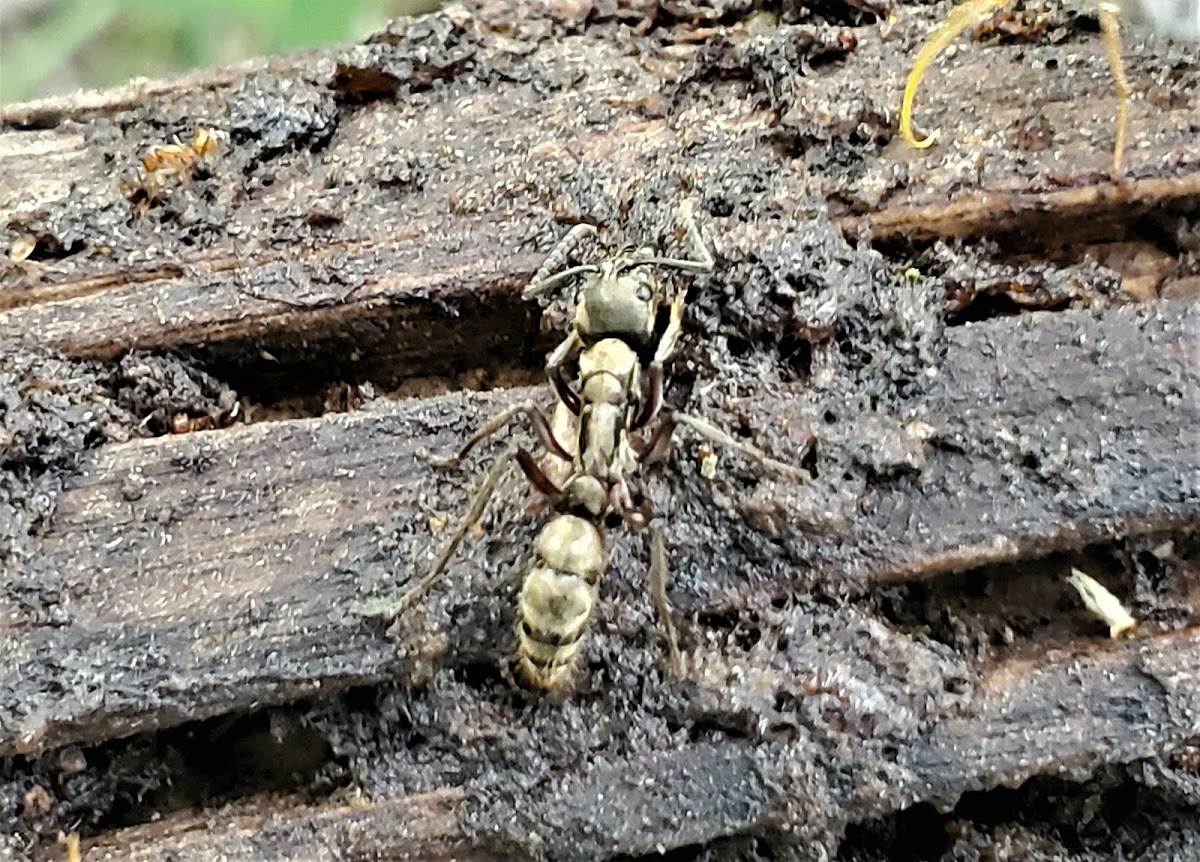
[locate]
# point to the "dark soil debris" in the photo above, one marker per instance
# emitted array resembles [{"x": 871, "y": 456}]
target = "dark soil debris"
[{"x": 169, "y": 396}]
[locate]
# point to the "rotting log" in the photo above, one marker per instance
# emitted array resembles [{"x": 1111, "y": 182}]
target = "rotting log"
[
  {"x": 885, "y": 650},
  {"x": 277, "y": 518}
]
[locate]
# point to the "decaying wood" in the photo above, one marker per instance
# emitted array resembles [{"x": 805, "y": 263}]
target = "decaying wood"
[
  {"x": 277, "y": 518},
  {"x": 896, "y": 631}
]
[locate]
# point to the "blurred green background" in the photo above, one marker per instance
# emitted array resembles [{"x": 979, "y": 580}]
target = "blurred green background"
[{"x": 56, "y": 46}]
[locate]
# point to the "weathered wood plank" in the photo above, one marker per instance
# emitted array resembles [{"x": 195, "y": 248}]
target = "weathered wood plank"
[
  {"x": 1095, "y": 210},
  {"x": 222, "y": 566},
  {"x": 414, "y": 828},
  {"x": 1062, "y": 715},
  {"x": 1059, "y": 715},
  {"x": 367, "y": 213}
]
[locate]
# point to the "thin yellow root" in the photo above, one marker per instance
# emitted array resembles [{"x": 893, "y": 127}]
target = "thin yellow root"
[
  {"x": 960, "y": 18},
  {"x": 1110, "y": 30}
]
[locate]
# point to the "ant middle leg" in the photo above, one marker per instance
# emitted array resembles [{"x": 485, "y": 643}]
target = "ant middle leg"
[
  {"x": 661, "y": 440},
  {"x": 538, "y": 478},
  {"x": 541, "y": 427}
]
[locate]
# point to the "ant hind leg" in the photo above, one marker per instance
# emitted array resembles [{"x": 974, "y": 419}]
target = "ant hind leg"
[
  {"x": 960, "y": 18},
  {"x": 1110, "y": 29},
  {"x": 474, "y": 513}
]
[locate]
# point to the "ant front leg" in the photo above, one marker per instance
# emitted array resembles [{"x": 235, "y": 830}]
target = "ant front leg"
[
  {"x": 652, "y": 396},
  {"x": 701, "y": 262},
  {"x": 554, "y": 370}
]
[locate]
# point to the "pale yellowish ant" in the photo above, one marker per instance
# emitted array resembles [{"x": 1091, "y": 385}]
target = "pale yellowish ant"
[{"x": 611, "y": 397}]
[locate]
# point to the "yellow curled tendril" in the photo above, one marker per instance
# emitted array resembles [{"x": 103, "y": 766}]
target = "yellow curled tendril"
[{"x": 960, "y": 18}]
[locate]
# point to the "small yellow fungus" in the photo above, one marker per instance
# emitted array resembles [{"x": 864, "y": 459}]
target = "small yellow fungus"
[{"x": 1098, "y": 600}]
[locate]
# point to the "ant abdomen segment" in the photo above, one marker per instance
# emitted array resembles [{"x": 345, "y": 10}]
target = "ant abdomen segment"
[{"x": 557, "y": 599}]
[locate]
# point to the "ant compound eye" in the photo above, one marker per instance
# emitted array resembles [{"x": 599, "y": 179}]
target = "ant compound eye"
[{"x": 644, "y": 293}]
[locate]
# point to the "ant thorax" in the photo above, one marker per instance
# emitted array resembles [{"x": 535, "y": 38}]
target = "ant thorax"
[{"x": 610, "y": 372}]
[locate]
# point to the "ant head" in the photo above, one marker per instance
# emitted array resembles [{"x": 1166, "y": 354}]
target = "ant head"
[{"x": 621, "y": 301}]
